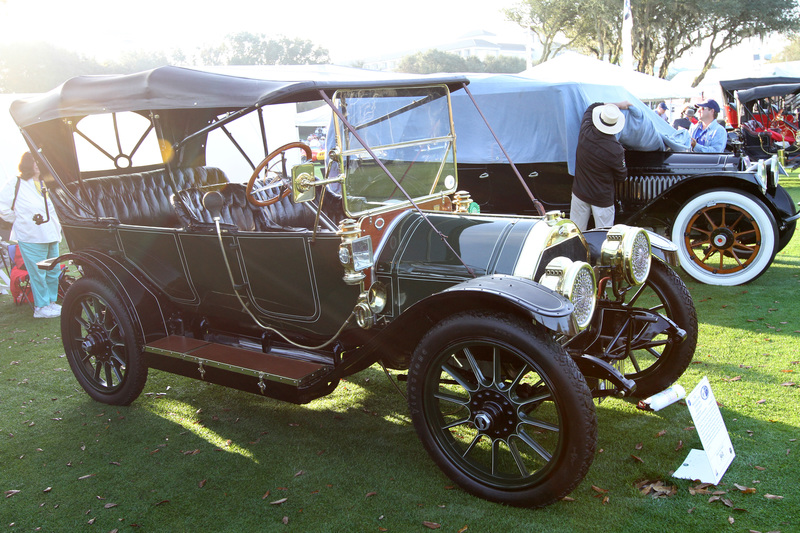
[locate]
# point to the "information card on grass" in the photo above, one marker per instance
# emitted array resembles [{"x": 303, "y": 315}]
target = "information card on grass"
[{"x": 709, "y": 464}]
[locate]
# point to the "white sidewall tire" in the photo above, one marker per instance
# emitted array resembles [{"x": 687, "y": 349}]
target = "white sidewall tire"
[{"x": 761, "y": 217}]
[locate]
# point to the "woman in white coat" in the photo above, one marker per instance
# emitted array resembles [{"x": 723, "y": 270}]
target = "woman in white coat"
[{"x": 37, "y": 230}]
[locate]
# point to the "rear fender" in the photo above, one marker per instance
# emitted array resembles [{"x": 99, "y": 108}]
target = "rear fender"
[{"x": 141, "y": 301}]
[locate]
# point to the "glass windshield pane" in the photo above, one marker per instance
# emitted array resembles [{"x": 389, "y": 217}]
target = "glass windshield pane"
[{"x": 410, "y": 134}]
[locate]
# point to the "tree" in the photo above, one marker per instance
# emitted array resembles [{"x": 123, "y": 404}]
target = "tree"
[
  {"x": 246, "y": 48},
  {"x": 550, "y": 21},
  {"x": 39, "y": 67},
  {"x": 664, "y": 30},
  {"x": 434, "y": 60},
  {"x": 791, "y": 52}
]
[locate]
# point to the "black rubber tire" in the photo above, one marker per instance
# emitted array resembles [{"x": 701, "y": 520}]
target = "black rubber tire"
[
  {"x": 541, "y": 400},
  {"x": 664, "y": 291},
  {"x": 101, "y": 343}
]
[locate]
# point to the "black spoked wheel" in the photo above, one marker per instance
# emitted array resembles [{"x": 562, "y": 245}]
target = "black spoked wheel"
[
  {"x": 101, "y": 344},
  {"x": 502, "y": 409},
  {"x": 658, "y": 363}
]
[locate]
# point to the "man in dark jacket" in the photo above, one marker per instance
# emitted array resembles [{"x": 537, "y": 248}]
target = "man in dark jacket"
[{"x": 599, "y": 162}]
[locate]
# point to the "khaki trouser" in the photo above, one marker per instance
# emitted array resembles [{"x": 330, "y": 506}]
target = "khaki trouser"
[{"x": 579, "y": 212}]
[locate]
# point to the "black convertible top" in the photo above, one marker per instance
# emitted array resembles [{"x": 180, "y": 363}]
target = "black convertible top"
[
  {"x": 172, "y": 87},
  {"x": 767, "y": 91}
]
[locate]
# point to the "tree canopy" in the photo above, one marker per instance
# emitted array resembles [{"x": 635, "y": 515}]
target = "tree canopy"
[
  {"x": 434, "y": 60},
  {"x": 663, "y": 31},
  {"x": 39, "y": 67}
]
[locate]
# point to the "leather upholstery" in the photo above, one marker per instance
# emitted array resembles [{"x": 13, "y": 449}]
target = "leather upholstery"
[
  {"x": 237, "y": 212},
  {"x": 144, "y": 198}
]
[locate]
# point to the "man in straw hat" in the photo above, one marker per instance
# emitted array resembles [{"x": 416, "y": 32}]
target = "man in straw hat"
[{"x": 599, "y": 162}]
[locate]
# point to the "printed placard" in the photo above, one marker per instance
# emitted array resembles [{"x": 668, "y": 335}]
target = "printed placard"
[{"x": 709, "y": 464}]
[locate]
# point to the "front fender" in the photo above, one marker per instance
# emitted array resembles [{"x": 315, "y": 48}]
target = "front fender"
[{"x": 546, "y": 307}]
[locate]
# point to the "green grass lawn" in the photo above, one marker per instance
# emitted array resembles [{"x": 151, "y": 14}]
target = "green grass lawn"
[{"x": 190, "y": 456}]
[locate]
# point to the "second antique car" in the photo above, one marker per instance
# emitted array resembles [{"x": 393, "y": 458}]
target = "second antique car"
[
  {"x": 214, "y": 253},
  {"x": 727, "y": 217}
]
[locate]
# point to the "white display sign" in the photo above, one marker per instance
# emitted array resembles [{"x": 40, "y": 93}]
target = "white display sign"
[{"x": 709, "y": 464}]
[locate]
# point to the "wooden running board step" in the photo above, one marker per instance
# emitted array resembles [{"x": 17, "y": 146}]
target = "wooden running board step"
[{"x": 261, "y": 365}]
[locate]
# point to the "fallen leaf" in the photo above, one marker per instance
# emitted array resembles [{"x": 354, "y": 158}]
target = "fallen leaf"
[
  {"x": 48, "y": 489},
  {"x": 761, "y": 401},
  {"x": 731, "y": 520},
  {"x": 285, "y": 520},
  {"x": 161, "y": 502},
  {"x": 278, "y": 502},
  {"x": 746, "y": 490},
  {"x": 264, "y": 497},
  {"x": 370, "y": 494},
  {"x": 202, "y": 483},
  {"x": 598, "y": 489},
  {"x": 300, "y": 473},
  {"x": 463, "y": 529},
  {"x": 87, "y": 476},
  {"x": 772, "y": 497},
  {"x": 639, "y": 445},
  {"x": 109, "y": 505},
  {"x": 759, "y": 468},
  {"x": 637, "y": 459},
  {"x": 91, "y": 521},
  {"x": 679, "y": 446},
  {"x": 10, "y": 493},
  {"x": 431, "y": 525},
  {"x": 661, "y": 433},
  {"x": 567, "y": 499}
]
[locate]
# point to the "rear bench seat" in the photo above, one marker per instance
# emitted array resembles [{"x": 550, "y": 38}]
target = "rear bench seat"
[{"x": 144, "y": 198}]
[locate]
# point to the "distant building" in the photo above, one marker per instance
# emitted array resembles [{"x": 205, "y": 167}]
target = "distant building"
[{"x": 480, "y": 44}]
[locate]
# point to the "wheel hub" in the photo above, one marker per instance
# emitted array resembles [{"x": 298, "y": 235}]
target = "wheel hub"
[
  {"x": 96, "y": 343},
  {"x": 493, "y": 414},
  {"x": 722, "y": 238}
]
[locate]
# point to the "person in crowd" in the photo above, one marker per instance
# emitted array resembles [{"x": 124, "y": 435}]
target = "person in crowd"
[
  {"x": 686, "y": 120},
  {"x": 661, "y": 111},
  {"x": 708, "y": 135},
  {"x": 599, "y": 163},
  {"x": 37, "y": 230}
]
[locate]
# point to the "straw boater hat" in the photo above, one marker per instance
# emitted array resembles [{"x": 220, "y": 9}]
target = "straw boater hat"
[{"x": 608, "y": 119}]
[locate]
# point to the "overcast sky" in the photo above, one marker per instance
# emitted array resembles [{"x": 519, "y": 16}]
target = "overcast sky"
[{"x": 349, "y": 29}]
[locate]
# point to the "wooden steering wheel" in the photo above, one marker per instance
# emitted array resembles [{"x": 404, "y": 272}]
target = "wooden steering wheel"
[{"x": 279, "y": 181}]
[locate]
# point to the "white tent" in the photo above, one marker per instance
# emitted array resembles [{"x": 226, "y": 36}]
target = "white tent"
[{"x": 572, "y": 66}]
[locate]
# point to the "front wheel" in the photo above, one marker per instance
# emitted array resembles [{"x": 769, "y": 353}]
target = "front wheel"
[
  {"x": 502, "y": 409},
  {"x": 101, "y": 344},
  {"x": 659, "y": 362},
  {"x": 725, "y": 237}
]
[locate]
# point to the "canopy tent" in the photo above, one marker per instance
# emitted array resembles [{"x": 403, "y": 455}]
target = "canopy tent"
[
  {"x": 318, "y": 117},
  {"x": 572, "y": 66}
]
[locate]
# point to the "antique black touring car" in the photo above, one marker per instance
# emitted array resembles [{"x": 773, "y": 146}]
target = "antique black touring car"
[
  {"x": 728, "y": 218},
  {"x": 210, "y": 249}
]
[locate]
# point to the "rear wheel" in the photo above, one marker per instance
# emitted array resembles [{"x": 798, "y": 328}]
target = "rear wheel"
[
  {"x": 502, "y": 409},
  {"x": 725, "y": 237},
  {"x": 101, "y": 344}
]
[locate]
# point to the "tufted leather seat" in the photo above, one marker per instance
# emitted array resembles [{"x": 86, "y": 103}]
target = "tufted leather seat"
[
  {"x": 236, "y": 212},
  {"x": 143, "y": 198}
]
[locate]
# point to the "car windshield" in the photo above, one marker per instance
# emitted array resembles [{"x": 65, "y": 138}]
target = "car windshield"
[{"x": 409, "y": 134}]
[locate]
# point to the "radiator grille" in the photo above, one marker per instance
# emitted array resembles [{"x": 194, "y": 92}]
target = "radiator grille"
[{"x": 643, "y": 189}]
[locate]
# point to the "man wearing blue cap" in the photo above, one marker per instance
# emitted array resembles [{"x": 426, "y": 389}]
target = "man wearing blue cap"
[{"x": 708, "y": 135}]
